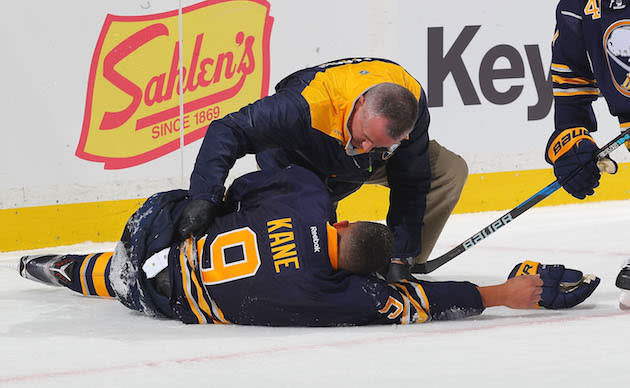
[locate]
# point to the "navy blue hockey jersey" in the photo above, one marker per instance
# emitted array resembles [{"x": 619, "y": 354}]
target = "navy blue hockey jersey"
[
  {"x": 305, "y": 123},
  {"x": 272, "y": 261},
  {"x": 591, "y": 55}
]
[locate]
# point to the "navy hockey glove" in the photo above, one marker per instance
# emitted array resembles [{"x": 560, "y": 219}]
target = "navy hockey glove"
[
  {"x": 196, "y": 218},
  {"x": 569, "y": 151},
  {"x": 562, "y": 287}
]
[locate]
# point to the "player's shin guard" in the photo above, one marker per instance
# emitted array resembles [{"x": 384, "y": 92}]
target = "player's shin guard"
[{"x": 85, "y": 274}]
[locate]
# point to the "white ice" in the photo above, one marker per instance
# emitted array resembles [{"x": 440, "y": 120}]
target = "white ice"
[{"x": 54, "y": 338}]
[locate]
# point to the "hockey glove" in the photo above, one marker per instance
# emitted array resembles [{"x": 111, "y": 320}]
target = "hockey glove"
[
  {"x": 574, "y": 150},
  {"x": 400, "y": 269},
  {"x": 196, "y": 218},
  {"x": 562, "y": 287}
]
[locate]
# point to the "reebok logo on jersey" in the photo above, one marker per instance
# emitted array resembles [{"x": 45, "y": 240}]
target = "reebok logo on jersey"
[{"x": 316, "y": 247}]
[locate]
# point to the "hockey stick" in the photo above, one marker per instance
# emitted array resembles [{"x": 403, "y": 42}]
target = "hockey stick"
[{"x": 436, "y": 263}]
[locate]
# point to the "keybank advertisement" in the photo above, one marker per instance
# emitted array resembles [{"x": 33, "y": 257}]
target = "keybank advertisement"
[{"x": 132, "y": 110}]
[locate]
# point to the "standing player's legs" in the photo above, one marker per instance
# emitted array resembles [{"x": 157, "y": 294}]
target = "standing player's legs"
[
  {"x": 449, "y": 172},
  {"x": 86, "y": 274}
]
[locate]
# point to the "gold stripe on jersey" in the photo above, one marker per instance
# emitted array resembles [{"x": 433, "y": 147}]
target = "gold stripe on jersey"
[
  {"x": 201, "y": 300},
  {"x": 422, "y": 296},
  {"x": 422, "y": 316},
  {"x": 204, "y": 308},
  {"x": 405, "y": 319},
  {"x": 392, "y": 302},
  {"x": 574, "y": 81},
  {"x": 332, "y": 93},
  {"x": 184, "y": 248},
  {"x": 206, "y": 303},
  {"x": 98, "y": 274}
]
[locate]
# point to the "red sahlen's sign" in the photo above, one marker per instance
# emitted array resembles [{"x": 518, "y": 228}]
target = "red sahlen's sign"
[{"x": 132, "y": 112}]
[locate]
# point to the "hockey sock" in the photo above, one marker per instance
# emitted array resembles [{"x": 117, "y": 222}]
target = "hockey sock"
[{"x": 91, "y": 274}]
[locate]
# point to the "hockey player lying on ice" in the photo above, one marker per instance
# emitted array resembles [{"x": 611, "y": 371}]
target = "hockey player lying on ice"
[{"x": 271, "y": 258}]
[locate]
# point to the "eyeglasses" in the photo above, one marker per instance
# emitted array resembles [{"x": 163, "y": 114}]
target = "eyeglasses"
[{"x": 386, "y": 151}]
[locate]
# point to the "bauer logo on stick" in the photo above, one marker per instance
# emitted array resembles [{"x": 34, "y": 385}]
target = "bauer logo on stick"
[{"x": 132, "y": 112}]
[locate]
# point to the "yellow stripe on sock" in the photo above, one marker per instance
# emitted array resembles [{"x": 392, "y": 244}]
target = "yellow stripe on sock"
[{"x": 98, "y": 274}]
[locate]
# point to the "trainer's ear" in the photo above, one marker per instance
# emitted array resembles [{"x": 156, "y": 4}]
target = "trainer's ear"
[{"x": 562, "y": 287}]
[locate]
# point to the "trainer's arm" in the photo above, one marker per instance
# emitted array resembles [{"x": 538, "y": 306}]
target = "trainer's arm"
[
  {"x": 409, "y": 177},
  {"x": 274, "y": 121},
  {"x": 521, "y": 294}
]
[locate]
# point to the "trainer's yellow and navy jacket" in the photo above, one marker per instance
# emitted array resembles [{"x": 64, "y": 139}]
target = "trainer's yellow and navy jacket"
[
  {"x": 590, "y": 56},
  {"x": 305, "y": 123},
  {"x": 271, "y": 259}
]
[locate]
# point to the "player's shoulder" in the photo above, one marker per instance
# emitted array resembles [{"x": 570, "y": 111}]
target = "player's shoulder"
[{"x": 575, "y": 6}]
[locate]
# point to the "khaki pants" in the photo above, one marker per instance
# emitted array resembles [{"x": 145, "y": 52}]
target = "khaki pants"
[{"x": 448, "y": 176}]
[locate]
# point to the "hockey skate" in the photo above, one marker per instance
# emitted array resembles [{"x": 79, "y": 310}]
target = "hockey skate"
[
  {"x": 623, "y": 282},
  {"x": 54, "y": 270}
]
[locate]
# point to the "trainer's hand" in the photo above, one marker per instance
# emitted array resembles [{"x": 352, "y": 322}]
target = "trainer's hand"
[
  {"x": 196, "y": 218},
  {"x": 400, "y": 269}
]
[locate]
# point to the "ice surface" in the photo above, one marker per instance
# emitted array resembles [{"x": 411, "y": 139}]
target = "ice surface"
[{"x": 54, "y": 338}]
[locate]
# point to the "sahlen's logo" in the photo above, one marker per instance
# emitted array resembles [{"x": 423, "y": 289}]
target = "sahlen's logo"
[
  {"x": 617, "y": 46},
  {"x": 132, "y": 112}
]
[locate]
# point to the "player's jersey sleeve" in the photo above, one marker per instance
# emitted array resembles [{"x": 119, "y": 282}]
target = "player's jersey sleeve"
[
  {"x": 416, "y": 302},
  {"x": 574, "y": 84}
]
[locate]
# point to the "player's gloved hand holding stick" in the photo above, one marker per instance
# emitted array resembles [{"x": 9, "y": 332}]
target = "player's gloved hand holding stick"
[
  {"x": 196, "y": 218},
  {"x": 574, "y": 149}
]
